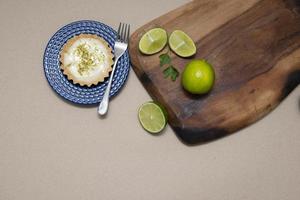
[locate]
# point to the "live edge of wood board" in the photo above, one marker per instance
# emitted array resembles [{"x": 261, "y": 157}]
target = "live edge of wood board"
[{"x": 254, "y": 47}]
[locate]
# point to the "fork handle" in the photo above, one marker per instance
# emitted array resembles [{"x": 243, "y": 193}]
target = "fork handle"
[{"x": 103, "y": 107}]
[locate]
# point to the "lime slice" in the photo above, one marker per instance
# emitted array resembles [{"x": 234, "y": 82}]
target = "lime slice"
[
  {"x": 182, "y": 44},
  {"x": 153, "y": 41},
  {"x": 152, "y": 117}
]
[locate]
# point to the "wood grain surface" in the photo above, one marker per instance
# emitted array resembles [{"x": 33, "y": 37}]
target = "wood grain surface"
[{"x": 254, "y": 47}]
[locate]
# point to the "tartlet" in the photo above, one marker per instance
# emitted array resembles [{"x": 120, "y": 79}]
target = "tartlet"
[{"x": 86, "y": 59}]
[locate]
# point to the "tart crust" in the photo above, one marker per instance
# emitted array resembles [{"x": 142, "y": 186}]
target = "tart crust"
[{"x": 86, "y": 80}]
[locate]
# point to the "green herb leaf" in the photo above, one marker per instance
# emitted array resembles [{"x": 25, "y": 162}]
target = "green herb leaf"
[
  {"x": 171, "y": 72},
  {"x": 164, "y": 59}
]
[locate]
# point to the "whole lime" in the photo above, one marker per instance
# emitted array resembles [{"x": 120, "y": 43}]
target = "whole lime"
[{"x": 198, "y": 77}]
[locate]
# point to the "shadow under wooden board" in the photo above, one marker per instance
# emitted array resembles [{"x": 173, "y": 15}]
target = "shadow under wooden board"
[{"x": 254, "y": 47}]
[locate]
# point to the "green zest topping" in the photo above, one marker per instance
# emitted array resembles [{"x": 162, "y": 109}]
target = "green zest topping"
[{"x": 88, "y": 58}]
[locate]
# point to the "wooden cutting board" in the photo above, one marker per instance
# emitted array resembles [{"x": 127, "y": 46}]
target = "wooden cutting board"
[{"x": 254, "y": 47}]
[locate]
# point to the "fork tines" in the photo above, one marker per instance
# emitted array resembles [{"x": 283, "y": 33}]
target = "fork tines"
[{"x": 123, "y": 32}]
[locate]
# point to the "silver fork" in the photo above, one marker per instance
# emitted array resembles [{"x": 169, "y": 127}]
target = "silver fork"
[{"x": 120, "y": 47}]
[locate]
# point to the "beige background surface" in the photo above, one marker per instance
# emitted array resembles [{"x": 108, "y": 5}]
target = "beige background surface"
[{"x": 50, "y": 149}]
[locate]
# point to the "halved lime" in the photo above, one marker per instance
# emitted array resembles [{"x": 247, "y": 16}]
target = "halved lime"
[
  {"x": 152, "y": 117},
  {"x": 153, "y": 41},
  {"x": 182, "y": 44}
]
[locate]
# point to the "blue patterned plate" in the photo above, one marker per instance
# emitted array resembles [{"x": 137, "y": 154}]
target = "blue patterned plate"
[{"x": 59, "y": 82}]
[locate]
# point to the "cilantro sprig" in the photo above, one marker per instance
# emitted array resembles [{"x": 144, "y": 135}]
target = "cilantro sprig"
[
  {"x": 170, "y": 71},
  {"x": 164, "y": 59}
]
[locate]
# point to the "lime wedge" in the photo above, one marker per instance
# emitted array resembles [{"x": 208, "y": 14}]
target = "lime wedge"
[
  {"x": 152, "y": 117},
  {"x": 153, "y": 41},
  {"x": 182, "y": 44}
]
